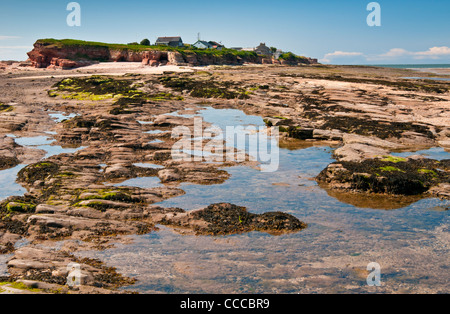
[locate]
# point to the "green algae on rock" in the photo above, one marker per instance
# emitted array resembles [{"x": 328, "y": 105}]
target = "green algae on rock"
[
  {"x": 205, "y": 88},
  {"x": 38, "y": 171},
  {"x": 227, "y": 219},
  {"x": 387, "y": 175},
  {"x": 5, "y": 108}
]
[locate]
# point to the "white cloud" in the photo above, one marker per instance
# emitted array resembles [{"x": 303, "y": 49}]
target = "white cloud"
[
  {"x": 433, "y": 53},
  {"x": 395, "y": 54},
  {"x": 340, "y": 54}
]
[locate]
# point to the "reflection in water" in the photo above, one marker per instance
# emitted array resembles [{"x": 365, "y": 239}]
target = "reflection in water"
[
  {"x": 437, "y": 153},
  {"x": 61, "y": 116},
  {"x": 362, "y": 200},
  {"x": 44, "y": 143},
  {"x": 150, "y": 166},
  {"x": 144, "y": 183},
  {"x": 8, "y": 185}
]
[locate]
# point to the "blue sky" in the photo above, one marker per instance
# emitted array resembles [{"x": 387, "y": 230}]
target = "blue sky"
[{"x": 336, "y": 31}]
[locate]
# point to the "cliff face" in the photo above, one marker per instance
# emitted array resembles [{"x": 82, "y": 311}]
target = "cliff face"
[{"x": 48, "y": 55}]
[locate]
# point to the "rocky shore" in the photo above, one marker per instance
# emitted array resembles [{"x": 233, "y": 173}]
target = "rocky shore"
[{"x": 81, "y": 201}]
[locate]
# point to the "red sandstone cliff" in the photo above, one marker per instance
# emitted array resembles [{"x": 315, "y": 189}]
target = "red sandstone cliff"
[{"x": 46, "y": 55}]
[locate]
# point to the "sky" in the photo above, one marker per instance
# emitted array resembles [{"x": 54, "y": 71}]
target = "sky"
[{"x": 333, "y": 31}]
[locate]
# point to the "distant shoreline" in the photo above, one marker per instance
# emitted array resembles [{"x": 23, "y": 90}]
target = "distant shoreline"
[
  {"x": 412, "y": 66},
  {"x": 438, "y": 69}
]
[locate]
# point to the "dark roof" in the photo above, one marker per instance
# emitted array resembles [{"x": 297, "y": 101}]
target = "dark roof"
[
  {"x": 214, "y": 43},
  {"x": 207, "y": 44},
  {"x": 168, "y": 39}
]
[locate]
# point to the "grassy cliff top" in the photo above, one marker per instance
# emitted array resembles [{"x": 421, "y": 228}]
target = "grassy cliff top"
[{"x": 61, "y": 43}]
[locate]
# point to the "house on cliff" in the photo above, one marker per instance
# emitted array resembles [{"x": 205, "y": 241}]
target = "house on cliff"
[
  {"x": 216, "y": 45},
  {"x": 262, "y": 49},
  {"x": 169, "y": 41},
  {"x": 202, "y": 44}
]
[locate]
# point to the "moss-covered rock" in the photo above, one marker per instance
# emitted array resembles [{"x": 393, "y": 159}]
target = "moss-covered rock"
[
  {"x": 8, "y": 162},
  {"x": 226, "y": 219},
  {"x": 378, "y": 128},
  {"x": 38, "y": 171},
  {"x": 5, "y": 108},
  {"x": 16, "y": 207},
  {"x": 388, "y": 175},
  {"x": 205, "y": 88}
]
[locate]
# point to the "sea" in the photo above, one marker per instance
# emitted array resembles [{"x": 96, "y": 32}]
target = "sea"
[
  {"x": 441, "y": 71},
  {"x": 413, "y": 66}
]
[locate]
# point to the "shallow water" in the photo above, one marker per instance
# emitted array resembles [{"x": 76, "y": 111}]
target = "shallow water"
[
  {"x": 8, "y": 185},
  {"x": 154, "y": 132},
  {"x": 150, "y": 166},
  {"x": 437, "y": 153},
  {"x": 62, "y": 116},
  {"x": 156, "y": 142},
  {"x": 329, "y": 256},
  {"x": 44, "y": 143},
  {"x": 428, "y": 78},
  {"x": 145, "y": 183}
]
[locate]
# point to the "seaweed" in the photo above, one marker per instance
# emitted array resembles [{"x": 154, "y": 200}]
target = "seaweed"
[
  {"x": 201, "y": 88},
  {"x": 379, "y": 128},
  {"x": 226, "y": 219},
  {"x": 409, "y": 177},
  {"x": 8, "y": 162}
]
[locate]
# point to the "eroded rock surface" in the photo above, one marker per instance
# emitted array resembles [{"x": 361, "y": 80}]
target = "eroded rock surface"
[{"x": 123, "y": 124}]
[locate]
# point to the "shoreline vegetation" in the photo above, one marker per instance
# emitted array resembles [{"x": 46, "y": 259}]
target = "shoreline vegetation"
[
  {"x": 67, "y": 43},
  {"x": 70, "y": 53}
]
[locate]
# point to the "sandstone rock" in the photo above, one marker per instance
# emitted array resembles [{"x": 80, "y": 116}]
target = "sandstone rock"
[
  {"x": 332, "y": 135},
  {"x": 48, "y": 209},
  {"x": 441, "y": 191},
  {"x": 62, "y": 221},
  {"x": 154, "y": 63},
  {"x": 169, "y": 175},
  {"x": 175, "y": 58},
  {"x": 356, "y": 152},
  {"x": 118, "y": 170},
  {"x": 99, "y": 203}
]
